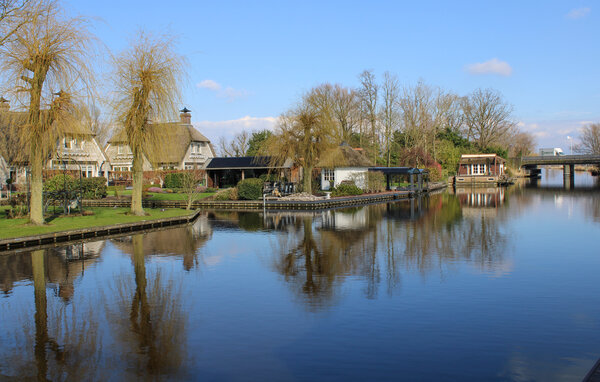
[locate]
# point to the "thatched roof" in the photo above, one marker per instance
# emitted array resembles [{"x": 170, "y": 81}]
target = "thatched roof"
[
  {"x": 344, "y": 156},
  {"x": 172, "y": 141}
]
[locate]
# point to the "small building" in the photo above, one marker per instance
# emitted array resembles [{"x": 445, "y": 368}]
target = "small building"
[
  {"x": 178, "y": 146},
  {"x": 480, "y": 168},
  {"x": 228, "y": 171},
  {"x": 344, "y": 164}
]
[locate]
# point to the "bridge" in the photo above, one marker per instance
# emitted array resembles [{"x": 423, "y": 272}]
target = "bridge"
[{"x": 567, "y": 161}]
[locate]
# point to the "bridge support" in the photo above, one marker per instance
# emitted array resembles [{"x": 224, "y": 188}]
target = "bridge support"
[{"x": 568, "y": 176}]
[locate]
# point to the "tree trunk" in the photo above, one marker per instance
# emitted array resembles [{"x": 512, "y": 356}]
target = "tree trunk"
[
  {"x": 138, "y": 183},
  {"x": 307, "y": 179},
  {"x": 36, "y": 210}
]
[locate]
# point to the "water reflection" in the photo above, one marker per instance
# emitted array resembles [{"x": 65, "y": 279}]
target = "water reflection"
[
  {"x": 182, "y": 243},
  {"x": 376, "y": 275},
  {"x": 58, "y": 340},
  {"x": 148, "y": 319}
]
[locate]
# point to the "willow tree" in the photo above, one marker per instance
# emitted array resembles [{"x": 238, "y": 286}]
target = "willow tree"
[
  {"x": 44, "y": 65},
  {"x": 147, "y": 78},
  {"x": 303, "y": 134}
]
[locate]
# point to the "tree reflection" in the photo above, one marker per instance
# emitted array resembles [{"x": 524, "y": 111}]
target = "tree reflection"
[
  {"x": 59, "y": 343},
  {"x": 148, "y": 319},
  {"x": 182, "y": 242},
  {"x": 435, "y": 233}
]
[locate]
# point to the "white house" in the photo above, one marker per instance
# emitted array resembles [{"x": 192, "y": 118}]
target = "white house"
[{"x": 344, "y": 164}]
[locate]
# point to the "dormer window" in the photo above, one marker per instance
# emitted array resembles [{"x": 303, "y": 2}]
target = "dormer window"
[
  {"x": 195, "y": 147},
  {"x": 121, "y": 149}
]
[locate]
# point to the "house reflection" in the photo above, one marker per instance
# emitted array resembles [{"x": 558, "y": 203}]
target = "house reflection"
[
  {"x": 181, "y": 242},
  {"x": 62, "y": 267}
]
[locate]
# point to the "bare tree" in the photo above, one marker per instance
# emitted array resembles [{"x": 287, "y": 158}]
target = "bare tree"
[
  {"x": 417, "y": 104},
  {"x": 190, "y": 182},
  {"x": 447, "y": 114},
  {"x": 237, "y": 147},
  {"x": 346, "y": 110},
  {"x": 147, "y": 81},
  {"x": 488, "y": 118},
  {"x": 47, "y": 54},
  {"x": 390, "y": 114},
  {"x": 589, "y": 140},
  {"x": 14, "y": 14},
  {"x": 369, "y": 93},
  {"x": 521, "y": 144}
]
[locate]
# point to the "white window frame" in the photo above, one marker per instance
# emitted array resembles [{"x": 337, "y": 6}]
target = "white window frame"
[{"x": 329, "y": 175}]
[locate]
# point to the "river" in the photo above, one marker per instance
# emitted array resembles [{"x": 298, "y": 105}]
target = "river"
[{"x": 485, "y": 284}]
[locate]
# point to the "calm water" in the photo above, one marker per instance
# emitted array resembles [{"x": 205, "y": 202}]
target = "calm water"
[{"x": 481, "y": 285}]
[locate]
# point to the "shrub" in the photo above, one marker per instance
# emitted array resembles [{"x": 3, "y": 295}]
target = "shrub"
[
  {"x": 18, "y": 206},
  {"x": 59, "y": 183},
  {"x": 173, "y": 180},
  {"x": 435, "y": 174},
  {"x": 346, "y": 190},
  {"x": 93, "y": 188},
  {"x": 250, "y": 189},
  {"x": 375, "y": 181},
  {"x": 155, "y": 189},
  {"x": 228, "y": 194}
]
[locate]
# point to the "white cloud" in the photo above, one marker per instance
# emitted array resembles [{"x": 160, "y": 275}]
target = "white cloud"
[
  {"x": 493, "y": 66},
  {"x": 528, "y": 126},
  {"x": 215, "y": 129},
  {"x": 228, "y": 93},
  {"x": 578, "y": 13},
  {"x": 210, "y": 85}
]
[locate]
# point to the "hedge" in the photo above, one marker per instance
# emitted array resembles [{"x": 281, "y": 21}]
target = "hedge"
[{"x": 250, "y": 189}]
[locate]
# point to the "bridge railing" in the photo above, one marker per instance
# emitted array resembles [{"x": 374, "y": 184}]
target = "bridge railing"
[{"x": 557, "y": 160}]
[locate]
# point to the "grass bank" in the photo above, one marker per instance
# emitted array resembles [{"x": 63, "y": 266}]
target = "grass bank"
[
  {"x": 162, "y": 196},
  {"x": 10, "y": 228}
]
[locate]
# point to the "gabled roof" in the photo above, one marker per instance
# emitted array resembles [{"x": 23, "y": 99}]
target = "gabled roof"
[
  {"x": 172, "y": 141},
  {"x": 237, "y": 163},
  {"x": 480, "y": 158},
  {"x": 344, "y": 156}
]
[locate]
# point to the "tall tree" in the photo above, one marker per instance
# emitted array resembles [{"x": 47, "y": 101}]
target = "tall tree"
[
  {"x": 390, "y": 115},
  {"x": 417, "y": 106},
  {"x": 303, "y": 135},
  {"x": 48, "y": 53},
  {"x": 147, "y": 79},
  {"x": 369, "y": 93},
  {"x": 346, "y": 111},
  {"x": 488, "y": 118}
]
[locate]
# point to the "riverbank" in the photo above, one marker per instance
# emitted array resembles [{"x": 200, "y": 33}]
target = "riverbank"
[{"x": 18, "y": 228}]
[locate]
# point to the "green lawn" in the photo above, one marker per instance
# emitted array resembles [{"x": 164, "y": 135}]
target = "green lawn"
[
  {"x": 174, "y": 196},
  {"x": 162, "y": 196},
  {"x": 102, "y": 216}
]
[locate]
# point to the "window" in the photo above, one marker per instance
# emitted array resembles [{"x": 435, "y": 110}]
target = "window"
[
  {"x": 195, "y": 148},
  {"x": 478, "y": 169},
  {"x": 328, "y": 175}
]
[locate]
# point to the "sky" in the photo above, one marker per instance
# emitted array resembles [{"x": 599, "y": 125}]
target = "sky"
[{"x": 247, "y": 62}]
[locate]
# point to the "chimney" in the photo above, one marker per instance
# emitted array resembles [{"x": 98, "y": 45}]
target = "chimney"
[
  {"x": 185, "y": 116},
  {"x": 4, "y": 104}
]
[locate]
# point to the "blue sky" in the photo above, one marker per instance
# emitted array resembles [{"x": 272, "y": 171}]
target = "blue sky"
[{"x": 249, "y": 61}]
